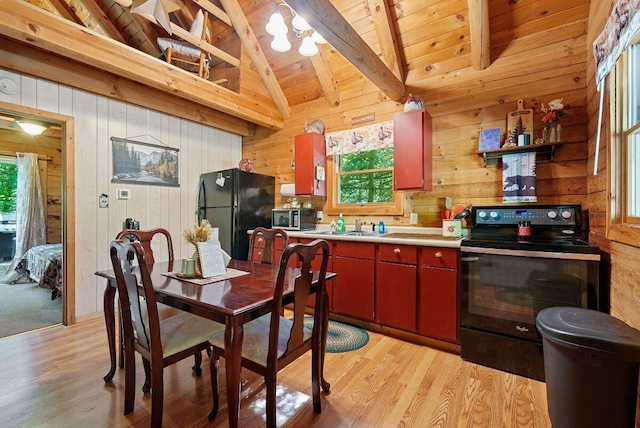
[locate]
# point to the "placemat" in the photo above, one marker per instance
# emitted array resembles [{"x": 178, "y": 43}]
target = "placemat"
[{"x": 231, "y": 273}]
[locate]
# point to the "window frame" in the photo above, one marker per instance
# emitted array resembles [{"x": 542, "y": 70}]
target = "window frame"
[
  {"x": 622, "y": 228},
  {"x": 394, "y": 207}
]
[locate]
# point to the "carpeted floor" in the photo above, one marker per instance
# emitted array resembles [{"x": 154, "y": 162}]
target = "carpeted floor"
[{"x": 26, "y": 307}]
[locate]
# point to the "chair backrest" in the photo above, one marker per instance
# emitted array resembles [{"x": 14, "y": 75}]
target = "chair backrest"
[
  {"x": 264, "y": 240},
  {"x": 140, "y": 330},
  {"x": 305, "y": 253},
  {"x": 145, "y": 237}
]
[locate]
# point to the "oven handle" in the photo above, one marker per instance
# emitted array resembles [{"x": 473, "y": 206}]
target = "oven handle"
[
  {"x": 469, "y": 259},
  {"x": 539, "y": 254}
]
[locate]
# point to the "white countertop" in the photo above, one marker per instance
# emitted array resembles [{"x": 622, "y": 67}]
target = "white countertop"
[{"x": 401, "y": 235}]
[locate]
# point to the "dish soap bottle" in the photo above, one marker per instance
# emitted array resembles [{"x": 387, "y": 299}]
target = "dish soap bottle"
[
  {"x": 381, "y": 229},
  {"x": 333, "y": 226},
  {"x": 341, "y": 225}
]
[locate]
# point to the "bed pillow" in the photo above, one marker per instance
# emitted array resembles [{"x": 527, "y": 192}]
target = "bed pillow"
[{"x": 196, "y": 26}]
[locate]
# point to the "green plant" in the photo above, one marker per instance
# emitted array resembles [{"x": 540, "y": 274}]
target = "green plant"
[{"x": 8, "y": 184}]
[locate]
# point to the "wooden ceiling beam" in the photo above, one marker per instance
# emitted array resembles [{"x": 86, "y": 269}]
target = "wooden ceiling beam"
[
  {"x": 197, "y": 41},
  {"x": 327, "y": 21},
  {"x": 250, "y": 42},
  {"x": 104, "y": 20},
  {"x": 326, "y": 77},
  {"x": 214, "y": 10},
  {"x": 383, "y": 23},
  {"x": 480, "y": 33},
  {"x": 62, "y": 7},
  {"x": 30, "y": 25}
]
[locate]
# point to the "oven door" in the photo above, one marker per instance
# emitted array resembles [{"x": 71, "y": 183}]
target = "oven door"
[{"x": 502, "y": 291}]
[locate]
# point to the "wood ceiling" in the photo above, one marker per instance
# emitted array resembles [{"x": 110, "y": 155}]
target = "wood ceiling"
[{"x": 400, "y": 46}]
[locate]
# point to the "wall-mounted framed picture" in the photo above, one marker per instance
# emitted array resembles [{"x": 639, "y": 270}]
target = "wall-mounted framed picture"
[
  {"x": 135, "y": 162},
  {"x": 489, "y": 139}
]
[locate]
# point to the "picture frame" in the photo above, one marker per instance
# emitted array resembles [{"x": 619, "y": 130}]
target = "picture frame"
[
  {"x": 489, "y": 139},
  {"x": 135, "y": 162}
]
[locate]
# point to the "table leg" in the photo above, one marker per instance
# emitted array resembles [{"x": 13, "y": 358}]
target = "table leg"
[
  {"x": 233, "y": 359},
  {"x": 110, "y": 322}
]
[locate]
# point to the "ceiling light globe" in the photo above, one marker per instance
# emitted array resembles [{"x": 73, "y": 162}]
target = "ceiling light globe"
[
  {"x": 318, "y": 38},
  {"x": 280, "y": 43},
  {"x": 308, "y": 47},
  {"x": 276, "y": 25},
  {"x": 32, "y": 128},
  {"x": 300, "y": 24}
]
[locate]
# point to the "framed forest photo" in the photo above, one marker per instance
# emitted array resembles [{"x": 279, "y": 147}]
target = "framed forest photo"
[{"x": 142, "y": 163}]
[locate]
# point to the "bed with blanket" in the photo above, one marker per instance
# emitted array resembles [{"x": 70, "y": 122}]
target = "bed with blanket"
[{"x": 43, "y": 264}]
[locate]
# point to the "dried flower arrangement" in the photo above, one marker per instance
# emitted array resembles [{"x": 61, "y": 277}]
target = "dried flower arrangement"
[
  {"x": 200, "y": 233},
  {"x": 553, "y": 112}
]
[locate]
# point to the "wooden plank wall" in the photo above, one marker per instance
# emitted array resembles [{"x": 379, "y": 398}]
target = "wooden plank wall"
[
  {"x": 623, "y": 259},
  {"x": 96, "y": 119},
  {"x": 539, "y": 53},
  {"x": 50, "y": 147}
]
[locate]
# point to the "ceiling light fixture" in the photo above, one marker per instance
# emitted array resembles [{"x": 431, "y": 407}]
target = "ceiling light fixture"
[
  {"x": 31, "y": 128},
  {"x": 278, "y": 29}
]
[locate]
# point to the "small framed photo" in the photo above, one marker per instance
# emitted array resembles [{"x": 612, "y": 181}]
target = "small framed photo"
[{"x": 489, "y": 139}]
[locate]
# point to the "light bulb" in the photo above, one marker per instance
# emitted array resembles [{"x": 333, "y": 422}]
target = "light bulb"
[
  {"x": 276, "y": 25},
  {"x": 308, "y": 47},
  {"x": 280, "y": 43},
  {"x": 300, "y": 24},
  {"x": 318, "y": 38},
  {"x": 32, "y": 128}
]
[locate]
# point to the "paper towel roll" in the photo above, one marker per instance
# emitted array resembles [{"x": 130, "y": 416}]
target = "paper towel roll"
[{"x": 288, "y": 189}]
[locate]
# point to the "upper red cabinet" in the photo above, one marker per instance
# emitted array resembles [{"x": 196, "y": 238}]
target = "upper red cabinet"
[
  {"x": 310, "y": 164},
  {"x": 412, "y": 168}
]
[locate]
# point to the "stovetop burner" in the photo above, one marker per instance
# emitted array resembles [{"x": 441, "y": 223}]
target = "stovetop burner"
[{"x": 554, "y": 228}]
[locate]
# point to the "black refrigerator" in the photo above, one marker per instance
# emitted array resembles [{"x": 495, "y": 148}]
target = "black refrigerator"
[{"x": 235, "y": 201}]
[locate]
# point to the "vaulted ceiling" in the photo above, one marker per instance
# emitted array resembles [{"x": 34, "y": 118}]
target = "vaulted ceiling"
[{"x": 396, "y": 45}]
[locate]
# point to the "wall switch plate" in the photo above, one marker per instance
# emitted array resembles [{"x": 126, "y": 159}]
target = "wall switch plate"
[
  {"x": 413, "y": 218},
  {"x": 123, "y": 194}
]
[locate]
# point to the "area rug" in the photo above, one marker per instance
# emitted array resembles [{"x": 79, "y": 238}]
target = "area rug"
[
  {"x": 25, "y": 307},
  {"x": 342, "y": 337}
]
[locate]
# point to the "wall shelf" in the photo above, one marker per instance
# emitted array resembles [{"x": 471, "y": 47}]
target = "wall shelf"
[{"x": 495, "y": 155}]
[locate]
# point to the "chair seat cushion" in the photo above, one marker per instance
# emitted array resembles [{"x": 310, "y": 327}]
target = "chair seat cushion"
[
  {"x": 184, "y": 47},
  {"x": 184, "y": 330},
  {"x": 255, "y": 343}
]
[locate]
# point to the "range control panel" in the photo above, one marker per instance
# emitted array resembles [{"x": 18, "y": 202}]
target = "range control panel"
[{"x": 539, "y": 215}]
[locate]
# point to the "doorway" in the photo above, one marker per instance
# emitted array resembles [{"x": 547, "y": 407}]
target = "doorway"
[{"x": 56, "y": 160}]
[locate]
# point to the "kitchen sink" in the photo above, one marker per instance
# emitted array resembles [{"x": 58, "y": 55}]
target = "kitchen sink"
[
  {"x": 326, "y": 232},
  {"x": 354, "y": 233}
]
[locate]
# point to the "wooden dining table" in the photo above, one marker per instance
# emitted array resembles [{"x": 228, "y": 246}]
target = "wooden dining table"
[{"x": 233, "y": 302}]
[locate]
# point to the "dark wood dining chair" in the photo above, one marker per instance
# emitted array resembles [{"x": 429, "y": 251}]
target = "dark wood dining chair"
[
  {"x": 262, "y": 244},
  {"x": 272, "y": 341},
  {"x": 159, "y": 342},
  {"x": 145, "y": 237}
]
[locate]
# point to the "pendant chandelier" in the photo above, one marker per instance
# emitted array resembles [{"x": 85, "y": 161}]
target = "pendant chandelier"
[{"x": 278, "y": 29}]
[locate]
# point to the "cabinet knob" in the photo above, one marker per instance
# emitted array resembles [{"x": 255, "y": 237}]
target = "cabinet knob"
[
  {"x": 439, "y": 255},
  {"x": 260, "y": 240},
  {"x": 396, "y": 250}
]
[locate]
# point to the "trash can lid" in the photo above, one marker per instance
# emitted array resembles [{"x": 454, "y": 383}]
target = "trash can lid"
[{"x": 589, "y": 329}]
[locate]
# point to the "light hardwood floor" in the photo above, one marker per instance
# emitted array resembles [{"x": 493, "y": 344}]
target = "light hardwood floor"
[{"x": 53, "y": 378}]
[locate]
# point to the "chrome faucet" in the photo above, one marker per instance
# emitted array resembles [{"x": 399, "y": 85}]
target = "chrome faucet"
[{"x": 358, "y": 225}]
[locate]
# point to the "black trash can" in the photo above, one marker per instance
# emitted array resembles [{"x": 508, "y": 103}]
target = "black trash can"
[{"x": 591, "y": 364}]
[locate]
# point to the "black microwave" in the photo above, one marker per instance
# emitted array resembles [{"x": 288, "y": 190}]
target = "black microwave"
[{"x": 294, "y": 218}]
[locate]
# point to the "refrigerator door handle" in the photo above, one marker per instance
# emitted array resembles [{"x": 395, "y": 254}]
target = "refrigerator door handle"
[{"x": 202, "y": 198}]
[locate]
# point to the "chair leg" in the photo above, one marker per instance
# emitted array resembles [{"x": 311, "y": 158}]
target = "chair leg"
[
  {"x": 197, "y": 366},
  {"x": 157, "y": 397},
  {"x": 147, "y": 376},
  {"x": 316, "y": 374},
  {"x": 214, "y": 363},
  {"x": 129, "y": 380},
  {"x": 270, "y": 383}
]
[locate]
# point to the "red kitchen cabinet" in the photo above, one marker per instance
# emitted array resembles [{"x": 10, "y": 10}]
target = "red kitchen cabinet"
[
  {"x": 276, "y": 251},
  {"x": 412, "y": 151},
  {"x": 438, "y": 303},
  {"x": 396, "y": 284},
  {"x": 353, "y": 287},
  {"x": 315, "y": 265},
  {"x": 311, "y": 157}
]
